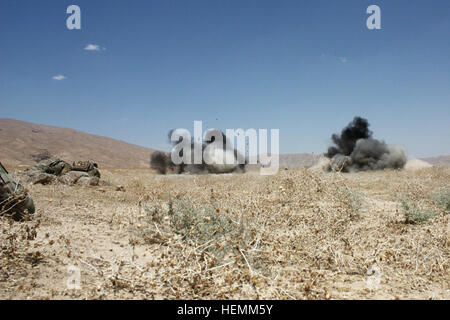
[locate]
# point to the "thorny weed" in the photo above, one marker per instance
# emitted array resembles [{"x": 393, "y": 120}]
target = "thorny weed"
[
  {"x": 209, "y": 231},
  {"x": 414, "y": 214},
  {"x": 442, "y": 198}
]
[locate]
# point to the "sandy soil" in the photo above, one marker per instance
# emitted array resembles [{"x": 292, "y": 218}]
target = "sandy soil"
[{"x": 297, "y": 235}]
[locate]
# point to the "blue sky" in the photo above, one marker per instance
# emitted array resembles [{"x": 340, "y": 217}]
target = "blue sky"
[{"x": 304, "y": 67}]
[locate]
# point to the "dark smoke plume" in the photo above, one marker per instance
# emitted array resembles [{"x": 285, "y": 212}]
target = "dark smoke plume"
[
  {"x": 355, "y": 150},
  {"x": 160, "y": 161},
  {"x": 346, "y": 141}
]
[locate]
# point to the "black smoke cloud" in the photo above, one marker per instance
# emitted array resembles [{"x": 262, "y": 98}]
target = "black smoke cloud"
[
  {"x": 354, "y": 149},
  {"x": 162, "y": 161}
]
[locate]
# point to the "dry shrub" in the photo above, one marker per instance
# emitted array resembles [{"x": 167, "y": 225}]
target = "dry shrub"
[
  {"x": 204, "y": 237},
  {"x": 442, "y": 198},
  {"x": 17, "y": 255},
  {"x": 414, "y": 214},
  {"x": 296, "y": 235}
]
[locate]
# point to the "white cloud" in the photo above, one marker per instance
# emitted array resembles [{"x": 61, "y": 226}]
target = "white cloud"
[
  {"x": 59, "y": 77},
  {"x": 92, "y": 47},
  {"x": 332, "y": 57}
]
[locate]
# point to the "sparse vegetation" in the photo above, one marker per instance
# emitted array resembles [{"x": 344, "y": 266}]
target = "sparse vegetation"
[
  {"x": 17, "y": 255},
  {"x": 443, "y": 199},
  {"x": 353, "y": 200},
  {"x": 415, "y": 215},
  {"x": 300, "y": 234},
  {"x": 204, "y": 229}
]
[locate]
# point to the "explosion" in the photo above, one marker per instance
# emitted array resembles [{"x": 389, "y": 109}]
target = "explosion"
[
  {"x": 162, "y": 161},
  {"x": 355, "y": 150}
]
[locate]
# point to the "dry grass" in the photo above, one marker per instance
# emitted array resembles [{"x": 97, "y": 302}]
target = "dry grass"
[{"x": 297, "y": 235}]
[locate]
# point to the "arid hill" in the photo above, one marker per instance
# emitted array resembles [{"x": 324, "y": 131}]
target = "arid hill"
[
  {"x": 22, "y": 142},
  {"x": 438, "y": 161}
]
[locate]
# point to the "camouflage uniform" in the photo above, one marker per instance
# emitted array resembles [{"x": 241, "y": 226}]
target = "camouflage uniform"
[
  {"x": 14, "y": 200},
  {"x": 87, "y": 166}
]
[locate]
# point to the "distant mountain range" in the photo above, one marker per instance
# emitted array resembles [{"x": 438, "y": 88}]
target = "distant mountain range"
[
  {"x": 438, "y": 161},
  {"x": 22, "y": 143}
]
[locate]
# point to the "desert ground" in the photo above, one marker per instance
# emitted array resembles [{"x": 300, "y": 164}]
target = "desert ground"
[{"x": 300, "y": 234}]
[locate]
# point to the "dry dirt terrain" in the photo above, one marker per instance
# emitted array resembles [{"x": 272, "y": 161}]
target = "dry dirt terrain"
[{"x": 301, "y": 234}]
